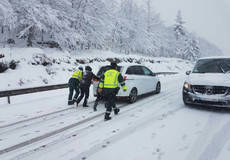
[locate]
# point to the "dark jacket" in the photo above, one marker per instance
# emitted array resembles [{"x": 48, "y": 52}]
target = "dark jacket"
[{"x": 87, "y": 79}]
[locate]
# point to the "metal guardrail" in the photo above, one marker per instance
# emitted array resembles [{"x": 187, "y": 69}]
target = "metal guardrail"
[
  {"x": 16, "y": 92},
  {"x": 166, "y": 73}
]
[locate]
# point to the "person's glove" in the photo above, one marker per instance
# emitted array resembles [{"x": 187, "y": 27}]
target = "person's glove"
[
  {"x": 124, "y": 88},
  {"x": 99, "y": 90}
]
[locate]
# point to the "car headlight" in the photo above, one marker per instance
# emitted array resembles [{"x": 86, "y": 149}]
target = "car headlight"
[{"x": 187, "y": 87}]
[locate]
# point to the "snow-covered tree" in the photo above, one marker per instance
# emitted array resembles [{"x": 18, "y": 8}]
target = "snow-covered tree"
[
  {"x": 123, "y": 26},
  {"x": 191, "y": 50},
  {"x": 179, "y": 28}
]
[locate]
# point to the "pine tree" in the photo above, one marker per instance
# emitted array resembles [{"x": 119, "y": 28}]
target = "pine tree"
[
  {"x": 192, "y": 50},
  {"x": 179, "y": 28}
]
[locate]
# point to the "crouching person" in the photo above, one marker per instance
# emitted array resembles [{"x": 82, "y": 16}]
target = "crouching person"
[
  {"x": 109, "y": 87},
  {"x": 74, "y": 83}
]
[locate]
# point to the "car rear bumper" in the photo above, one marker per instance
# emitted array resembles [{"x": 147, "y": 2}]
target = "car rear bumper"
[{"x": 206, "y": 100}]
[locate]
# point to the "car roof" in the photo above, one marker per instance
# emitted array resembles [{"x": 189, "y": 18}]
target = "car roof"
[
  {"x": 215, "y": 57},
  {"x": 124, "y": 66}
]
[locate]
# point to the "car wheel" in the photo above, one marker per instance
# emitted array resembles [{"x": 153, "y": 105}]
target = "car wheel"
[
  {"x": 158, "y": 88},
  {"x": 184, "y": 100},
  {"x": 133, "y": 95}
]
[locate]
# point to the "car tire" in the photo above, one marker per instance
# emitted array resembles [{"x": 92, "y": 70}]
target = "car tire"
[
  {"x": 184, "y": 99},
  {"x": 132, "y": 95},
  {"x": 158, "y": 88}
]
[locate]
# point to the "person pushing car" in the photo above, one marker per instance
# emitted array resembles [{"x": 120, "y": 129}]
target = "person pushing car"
[
  {"x": 108, "y": 86},
  {"x": 73, "y": 84},
  {"x": 85, "y": 83}
]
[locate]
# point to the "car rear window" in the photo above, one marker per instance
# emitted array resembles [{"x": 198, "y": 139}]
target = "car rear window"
[
  {"x": 136, "y": 70},
  {"x": 103, "y": 69}
]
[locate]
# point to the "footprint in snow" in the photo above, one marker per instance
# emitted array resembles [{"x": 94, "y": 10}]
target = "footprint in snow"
[
  {"x": 104, "y": 146},
  {"x": 184, "y": 137},
  {"x": 153, "y": 135}
]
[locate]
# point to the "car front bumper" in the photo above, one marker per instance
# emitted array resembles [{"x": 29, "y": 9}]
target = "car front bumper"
[{"x": 206, "y": 100}]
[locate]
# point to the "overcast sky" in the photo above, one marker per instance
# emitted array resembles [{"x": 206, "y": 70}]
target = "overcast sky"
[{"x": 210, "y": 19}]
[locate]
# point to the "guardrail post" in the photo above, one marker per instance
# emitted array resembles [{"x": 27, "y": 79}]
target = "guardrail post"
[{"x": 8, "y": 99}]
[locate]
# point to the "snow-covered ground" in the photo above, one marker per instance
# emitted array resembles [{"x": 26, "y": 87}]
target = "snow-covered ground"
[{"x": 155, "y": 127}]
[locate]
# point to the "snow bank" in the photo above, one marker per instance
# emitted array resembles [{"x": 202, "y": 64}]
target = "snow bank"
[{"x": 39, "y": 67}]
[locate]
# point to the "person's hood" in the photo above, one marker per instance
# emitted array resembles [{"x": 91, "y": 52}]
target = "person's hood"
[{"x": 209, "y": 79}]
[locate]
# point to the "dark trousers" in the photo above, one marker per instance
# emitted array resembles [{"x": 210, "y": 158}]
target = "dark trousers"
[
  {"x": 73, "y": 86},
  {"x": 110, "y": 99},
  {"x": 99, "y": 98},
  {"x": 84, "y": 92}
]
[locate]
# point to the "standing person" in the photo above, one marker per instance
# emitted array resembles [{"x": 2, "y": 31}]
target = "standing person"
[
  {"x": 109, "y": 87},
  {"x": 73, "y": 83},
  {"x": 85, "y": 85}
]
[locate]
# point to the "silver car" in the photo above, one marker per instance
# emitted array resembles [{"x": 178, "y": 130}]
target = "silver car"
[{"x": 209, "y": 83}]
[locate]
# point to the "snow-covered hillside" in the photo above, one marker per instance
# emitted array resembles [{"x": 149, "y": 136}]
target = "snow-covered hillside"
[
  {"x": 38, "y": 67},
  {"x": 121, "y": 26}
]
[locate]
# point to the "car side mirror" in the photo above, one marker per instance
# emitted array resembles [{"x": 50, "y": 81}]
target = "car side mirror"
[
  {"x": 153, "y": 74},
  {"x": 188, "y": 72}
]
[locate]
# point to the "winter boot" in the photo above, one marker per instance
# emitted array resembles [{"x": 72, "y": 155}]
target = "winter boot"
[
  {"x": 85, "y": 103},
  {"x": 95, "y": 106},
  {"x": 70, "y": 102},
  {"x": 116, "y": 110},
  {"x": 107, "y": 117}
]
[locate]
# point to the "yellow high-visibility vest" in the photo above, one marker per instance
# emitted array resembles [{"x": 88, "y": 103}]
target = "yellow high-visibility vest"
[
  {"x": 77, "y": 74},
  {"x": 111, "y": 78}
]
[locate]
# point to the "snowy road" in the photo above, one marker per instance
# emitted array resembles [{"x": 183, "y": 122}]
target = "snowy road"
[{"x": 155, "y": 127}]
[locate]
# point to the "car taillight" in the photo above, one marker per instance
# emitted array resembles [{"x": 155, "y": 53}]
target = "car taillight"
[
  {"x": 95, "y": 80},
  {"x": 124, "y": 78}
]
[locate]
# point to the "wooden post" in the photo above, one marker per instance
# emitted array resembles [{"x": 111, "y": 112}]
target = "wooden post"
[{"x": 8, "y": 98}]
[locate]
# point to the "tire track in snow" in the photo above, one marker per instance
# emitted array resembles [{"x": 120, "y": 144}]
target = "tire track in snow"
[
  {"x": 37, "y": 119},
  {"x": 126, "y": 132},
  {"x": 199, "y": 147},
  {"x": 37, "y": 139},
  {"x": 133, "y": 107},
  {"x": 219, "y": 140}
]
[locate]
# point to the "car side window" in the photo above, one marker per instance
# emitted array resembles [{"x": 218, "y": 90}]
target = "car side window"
[
  {"x": 136, "y": 70},
  {"x": 147, "y": 71}
]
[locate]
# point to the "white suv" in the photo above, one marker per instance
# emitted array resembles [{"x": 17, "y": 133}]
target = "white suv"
[
  {"x": 209, "y": 83},
  {"x": 138, "y": 79}
]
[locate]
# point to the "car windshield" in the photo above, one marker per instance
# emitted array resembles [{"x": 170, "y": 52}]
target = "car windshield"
[
  {"x": 104, "y": 69},
  {"x": 212, "y": 66}
]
